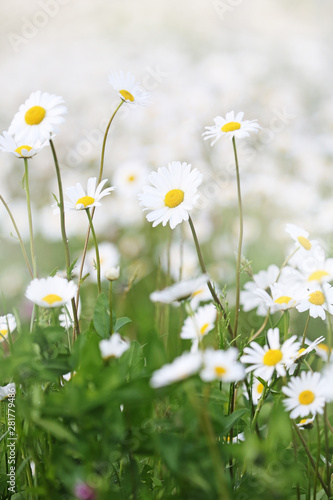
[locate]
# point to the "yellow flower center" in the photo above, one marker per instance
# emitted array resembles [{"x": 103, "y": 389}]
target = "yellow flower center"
[
  {"x": 272, "y": 357},
  {"x": 35, "y": 115},
  {"x": 306, "y": 397},
  {"x": 85, "y": 201},
  {"x": 197, "y": 292},
  {"x": 231, "y": 126},
  {"x": 302, "y": 421},
  {"x": 131, "y": 178},
  {"x": 219, "y": 370},
  {"x": 20, "y": 149},
  {"x": 127, "y": 96},
  {"x": 283, "y": 300},
  {"x": 304, "y": 242},
  {"x": 260, "y": 387},
  {"x": 300, "y": 351},
  {"x": 204, "y": 328},
  {"x": 317, "y": 275},
  {"x": 174, "y": 198},
  {"x": 51, "y": 298},
  {"x": 323, "y": 347},
  {"x": 3, "y": 333},
  {"x": 317, "y": 298}
]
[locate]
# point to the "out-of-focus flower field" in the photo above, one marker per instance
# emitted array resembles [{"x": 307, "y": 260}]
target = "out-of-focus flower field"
[{"x": 134, "y": 390}]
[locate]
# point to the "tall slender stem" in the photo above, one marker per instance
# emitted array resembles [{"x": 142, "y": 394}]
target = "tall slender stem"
[
  {"x": 98, "y": 262},
  {"x": 64, "y": 235},
  {"x": 240, "y": 240},
  {"x": 25, "y": 256},
  {"x": 110, "y": 305},
  {"x": 27, "y": 190},
  {"x": 93, "y": 210},
  {"x": 203, "y": 269}
]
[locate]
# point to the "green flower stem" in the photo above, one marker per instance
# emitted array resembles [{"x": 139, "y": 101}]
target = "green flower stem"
[
  {"x": 25, "y": 256},
  {"x": 317, "y": 459},
  {"x": 98, "y": 262},
  {"x": 110, "y": 305},
  {"x": 93, "y": 210},
  {"x": 27, "y": 190},
  {"x": 203, "y": 269},
  {"x": 76, "y": 328},
  {"x": 311, "y": 460},
  {"x": 260, "y": 404},
  {"x": 327, "y": 453},
  {"x": 258, "y": 332},
  {"x": 240, "y": 241}
]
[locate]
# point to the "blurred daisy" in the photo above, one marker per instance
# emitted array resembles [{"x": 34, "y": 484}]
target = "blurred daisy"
[
  {"x": 283, "y": 297},
  {"x": 305, "y": 395},
  {"x": 221, "y": 365},
  {"x": 181, "y": 368},
  {"x": 202, "y": 294},
  {"x": 231, "y": 126},
  {"x": 305, "y": 423},
  {"x": 38, "y": 118},
  {"x": 317, "y": 300},
  {"x": 250, "y": 299},
  {"x": 129, "y": 90},
  {"x": 318, "y": 271},
  {"x": 7, "y": 391},
  {"x": 323, "y": 351},
  {"x": 9, "y": 145},
  {"x": 113, "y": 347},
  {"x": 264, "y": 361},
  {"x": 53, "y": 291},
  {"x": 237, "y": 439},
  {"x": 183, "y": 290},
  {"x": 66, "y": 316},
  {"x": 200, "y": 324},
  {"x": 173, "y": 194},
  {"x": 7, "y": 324},
  {"x": 129, "y": 178},
  {"x": 328, "y": 381},
  {"x": 108, "y": 256},
  {"x": 79, "y": 200},
  {"x": 303, "y": 351},
  {"x": 67, "y": 377},
  {"x": 257, "y": 390}
]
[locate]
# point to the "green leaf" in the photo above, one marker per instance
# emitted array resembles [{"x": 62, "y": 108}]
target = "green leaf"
[
  {"x": 121, "y": 322},
  {"x": 101, "y": 317},
  {"x": 133, "y": 359},
  {"x": 56, "y": 429},
  {"x": 232, "y": 419}
]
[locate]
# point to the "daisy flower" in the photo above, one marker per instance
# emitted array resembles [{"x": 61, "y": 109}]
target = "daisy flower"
[
  {"x": 66, "y": 316},
  {"x": 249, "y": 298},
  {"x": 113, "y": 347},
  {"x": 328, "y": 380},
  {"x": 80, "y": 200},
  {"x": 305, "y": 423},
  {"x": 38, "y": 118},
  {"x": 7, "y": 391},
  {"x": 181, "y": 368},
  {"x": 108, "y": 256},
  {"x": 264, "y": 361},
  {"x": 283, "y": 297},
  {"x": 53, "y": 291},
  {"x": 9, "y": 145},
  {"x": 129, "y": 90},
  {"x": 257, "y": 390},
  {"x": 323, "y": 351},
  {"x": 317, "y": 300},
  {"x": 200, "y": 324},
  {"x": 129, "y": 178},
  {"x": 183, "y": 290},
  {"x": 202, "y": 294},
  {"x": 305, "y": 395},
  {"x": 173, "y": 194},
  {"x": 231, "y": 126},
  {"x": 317, "y": 270},
  {"x": 7, "y": 324},
  {"x": 237, "y": 439},
  {"x": 303, "y": 351},
  {"x": 221, "y": 365}
]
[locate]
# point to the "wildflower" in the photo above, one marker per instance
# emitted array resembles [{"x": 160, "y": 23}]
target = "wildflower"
[
  {"x": 38, "y": 118},
  {"x": 53, "y": 291},
  {"x": 221, "y": 365},
  {"x": 202, "y": 294},
  {"x": 173, "y": 194},
  {"x": 249, "y": 298},
  {"x": 129, "y": 90},
  {"x": 264, "y": 361},
  {"x": 283, "y": 297},
  {"x": 305, "y": 248},
  {"x": 305, "y": 423},
  {"x": 323, "y": 351},
  {"x": 112, "y": 273},
  {"x": 317, "y": 270},
  {"x": 114, "y": 347},
  {"x": 181, "y": 368},
  {"x": 7, "y": 324},
  {"x": 7, "y": 391},
  {"x": 231, "y": 126},
  {"x": 183, "y": 290},
  {"x": 83, "y": 491},
  {"x": 305, "y": 395},
  {"x": 257, "y": 390},
  {"x": 66, "y": 316},
  {"x": 202, "y": 322},
  {"x": 79, "y": 200},
  {"x": 237, "y": 439},
  {"x": 129, "y": 178},
  {"x": 317, "y": 300},
  {"x": 109, "y": 258},
  {"x": 328, "y": 379},
  {"x": 9, "y": 145},
  {"x": 303, "y": 351}
]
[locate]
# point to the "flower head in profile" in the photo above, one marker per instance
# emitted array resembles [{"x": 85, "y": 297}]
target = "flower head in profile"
[
  {"x": 113, "y": 347},
  {"x": 7, "y": 324},
  {"x": 129, "y": 90},
  {"x": 81, "y": 200},
  {"x": 10, "y": 145},
  {"x": 264, "y": 361},
  {"x": 7, "y": 391},
  {"x": 181, "y": 368},
  {"x": 182, "y": 290},
  {"x": 38, "y": 118},
  {"x": 172, "y": 195},
  {"x": 231, "y": 126},
  {"x": 221, "y": 365},
  {"x": 305, "y": 395},
  {"x": 200, "y": 324},
  {"x": 53, "y": 291}
]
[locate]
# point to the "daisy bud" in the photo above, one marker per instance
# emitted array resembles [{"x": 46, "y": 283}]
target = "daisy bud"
[{"x": 112, "y": 274}]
